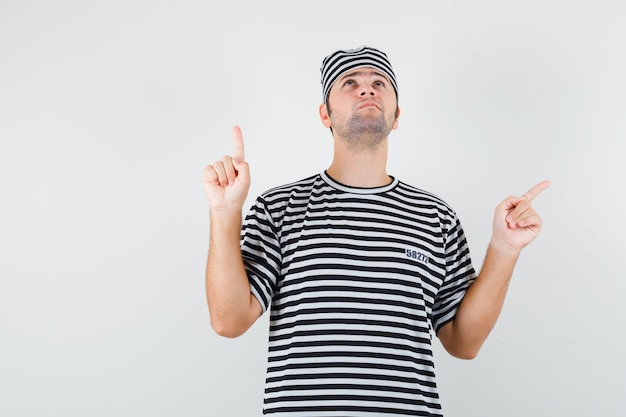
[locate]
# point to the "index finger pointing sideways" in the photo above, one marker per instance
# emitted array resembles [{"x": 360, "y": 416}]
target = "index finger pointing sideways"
[
  {"x": 238, "y": 149},
  {"x": 534, "y": 192}
]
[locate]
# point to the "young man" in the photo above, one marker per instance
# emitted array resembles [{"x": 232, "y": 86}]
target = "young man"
[{"x": 356, "y": 266}]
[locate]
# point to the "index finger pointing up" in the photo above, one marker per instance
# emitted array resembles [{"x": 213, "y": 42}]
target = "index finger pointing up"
[
  {"x": 534, "y": 192},
  {"x": 238, "y": 153}
]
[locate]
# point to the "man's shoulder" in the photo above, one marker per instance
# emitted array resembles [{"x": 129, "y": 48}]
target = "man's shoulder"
[
  {"x": 423, "y": 200},
  {"x": 418, "y": 192},
  {"x": 301, "y": 185}
]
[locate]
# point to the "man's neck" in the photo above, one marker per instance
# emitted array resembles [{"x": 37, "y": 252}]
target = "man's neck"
[{"x": 364, "y": 168}]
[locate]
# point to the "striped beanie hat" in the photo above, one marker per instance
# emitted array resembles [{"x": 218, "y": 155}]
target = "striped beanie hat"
[{"x": 345, "y": 60}]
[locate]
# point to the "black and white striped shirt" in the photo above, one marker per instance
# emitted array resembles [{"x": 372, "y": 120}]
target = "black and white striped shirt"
[{"x": 356, "y": 278}]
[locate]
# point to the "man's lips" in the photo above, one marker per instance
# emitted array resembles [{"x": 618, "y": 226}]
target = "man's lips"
[{"x": 368, "y": 104}]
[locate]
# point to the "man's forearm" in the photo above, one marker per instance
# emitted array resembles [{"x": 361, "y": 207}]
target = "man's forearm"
[
  {"x": 227, "y": 287},
  {"x": 481, "y": 305}
]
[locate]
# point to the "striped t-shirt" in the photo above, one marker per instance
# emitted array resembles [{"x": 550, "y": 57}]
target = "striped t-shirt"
[{"x": 355, "y": 279}]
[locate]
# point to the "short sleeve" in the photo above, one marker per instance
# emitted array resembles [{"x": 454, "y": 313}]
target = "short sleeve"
[
  {"x": 459, "y": 275},
  {"x": 261, "y": 253}
]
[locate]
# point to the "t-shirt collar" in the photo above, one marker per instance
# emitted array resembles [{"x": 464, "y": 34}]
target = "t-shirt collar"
[{"x": 358, "y": 190}]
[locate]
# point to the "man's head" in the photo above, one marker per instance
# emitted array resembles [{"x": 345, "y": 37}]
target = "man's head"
[
  {"x": 360, "y": 96},
  {"x": 342, "y": 61}
]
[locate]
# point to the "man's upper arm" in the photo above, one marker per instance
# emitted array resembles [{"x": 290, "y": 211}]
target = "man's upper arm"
[
  {"x": 449, "y": 342},
  {"x": 255, "y": 309}
]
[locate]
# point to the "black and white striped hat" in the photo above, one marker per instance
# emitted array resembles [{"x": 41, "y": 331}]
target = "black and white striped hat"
[{"x": 344, "y": 60}]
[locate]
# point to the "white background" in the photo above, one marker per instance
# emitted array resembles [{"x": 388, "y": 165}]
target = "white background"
[{"x": 110, "y": 110}]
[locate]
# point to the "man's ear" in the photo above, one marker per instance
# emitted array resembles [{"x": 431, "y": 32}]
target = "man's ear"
[
  {"x": 395, "y": 122},
  {"x": 324, "y": 116}
]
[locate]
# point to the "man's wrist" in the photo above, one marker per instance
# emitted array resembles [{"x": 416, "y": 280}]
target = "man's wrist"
[{"x": 502, "y": 248}]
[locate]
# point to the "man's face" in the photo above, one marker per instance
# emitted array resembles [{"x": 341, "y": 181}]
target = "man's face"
[{"x": 362, "y": 107}]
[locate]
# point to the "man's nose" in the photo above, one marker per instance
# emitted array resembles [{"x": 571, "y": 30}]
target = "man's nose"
[{"x": 366, "y": 89}]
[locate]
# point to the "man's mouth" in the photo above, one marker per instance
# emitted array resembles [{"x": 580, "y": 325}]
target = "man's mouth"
[{"x": 368, "y": 104}]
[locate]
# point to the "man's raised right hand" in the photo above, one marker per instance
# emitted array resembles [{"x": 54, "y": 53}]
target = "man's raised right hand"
[{"x": 226, "y": 182}]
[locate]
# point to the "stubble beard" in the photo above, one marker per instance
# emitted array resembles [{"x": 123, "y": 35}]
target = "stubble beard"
[{"x": 362, "y": 132}]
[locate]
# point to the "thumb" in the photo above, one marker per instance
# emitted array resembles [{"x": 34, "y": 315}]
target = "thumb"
[
  {"x": 510, "y": 203},
  {"x": 243, "y": 172}
]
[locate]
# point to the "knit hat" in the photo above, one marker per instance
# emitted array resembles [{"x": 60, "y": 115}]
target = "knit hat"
[{"x": 345, "y": 60}]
